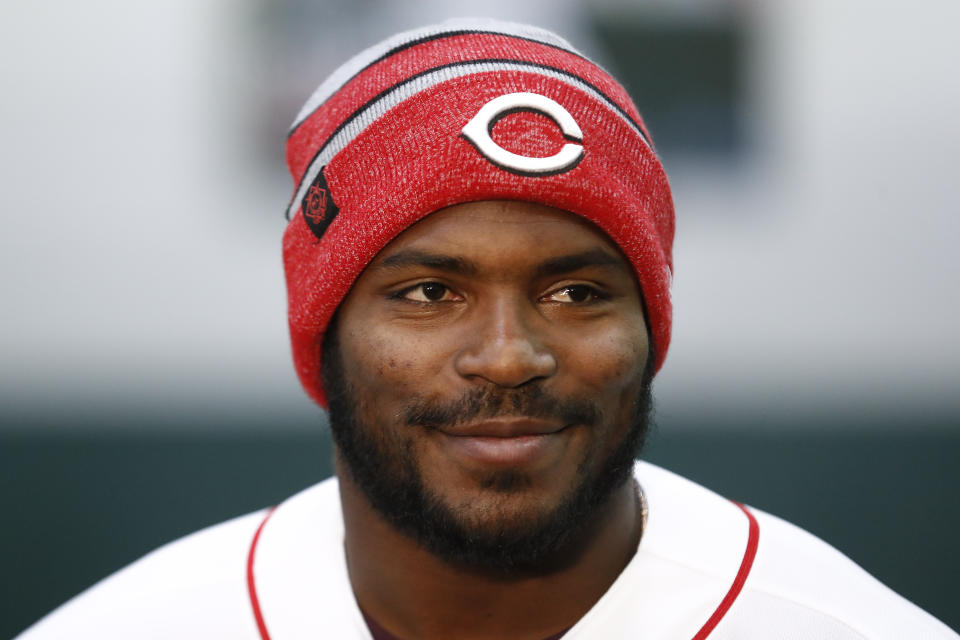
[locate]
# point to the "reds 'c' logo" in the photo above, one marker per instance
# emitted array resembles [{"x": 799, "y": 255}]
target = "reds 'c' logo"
[{"x": 478, "y": 130}]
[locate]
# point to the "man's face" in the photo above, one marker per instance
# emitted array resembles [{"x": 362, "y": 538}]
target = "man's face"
[{"x": 488, "y": 380}]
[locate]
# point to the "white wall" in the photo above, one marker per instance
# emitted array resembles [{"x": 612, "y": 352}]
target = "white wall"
[
  {"x": 827, "y": 272},
  {"x": 141, "y": 221}
]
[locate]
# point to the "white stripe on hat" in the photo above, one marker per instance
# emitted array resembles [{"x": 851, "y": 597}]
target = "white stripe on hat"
[{"x": 367, "y": 57}]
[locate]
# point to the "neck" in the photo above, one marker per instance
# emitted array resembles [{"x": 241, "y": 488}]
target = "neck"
[{"x": 414, "y": 594}]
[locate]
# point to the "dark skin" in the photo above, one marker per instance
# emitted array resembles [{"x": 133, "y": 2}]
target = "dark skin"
[{"x": 494, "y": 295}]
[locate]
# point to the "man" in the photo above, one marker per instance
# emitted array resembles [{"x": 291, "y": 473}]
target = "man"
[{"x": 478, "y": 262}]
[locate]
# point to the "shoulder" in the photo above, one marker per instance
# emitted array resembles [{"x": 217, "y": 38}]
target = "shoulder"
[
  {"x": 798, "y": 577},
  {"x": 194, "y": 587},
  {"x": 787, "y": 581}
]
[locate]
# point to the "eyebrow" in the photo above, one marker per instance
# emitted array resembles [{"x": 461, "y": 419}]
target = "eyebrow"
[
  {"x": 591, "y": 258},
  {"x": 554, "y": 266},
  {"x": 417, "y": 258}
]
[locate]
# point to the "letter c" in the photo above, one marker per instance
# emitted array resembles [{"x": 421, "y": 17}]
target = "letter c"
[{"x": 478, "y": 130}]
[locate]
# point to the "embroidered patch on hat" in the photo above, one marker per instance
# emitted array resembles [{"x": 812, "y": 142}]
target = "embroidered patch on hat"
[
  {"x": 318, "y": 207},
  {"x": 478, "y": 131}
]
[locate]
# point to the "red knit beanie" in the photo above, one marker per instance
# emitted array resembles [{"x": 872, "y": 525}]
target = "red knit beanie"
[{"x": 464, "y": 111}]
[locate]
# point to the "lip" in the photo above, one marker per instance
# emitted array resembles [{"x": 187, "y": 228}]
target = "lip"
[
  {"x": 507, "y": 427},
  {"x": 506, "y": 442}
]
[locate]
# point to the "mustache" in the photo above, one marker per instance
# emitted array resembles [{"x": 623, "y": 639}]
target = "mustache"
[{"x": 489, "y": 403}]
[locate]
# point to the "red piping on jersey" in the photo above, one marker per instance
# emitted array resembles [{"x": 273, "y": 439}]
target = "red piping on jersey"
[
  {"x": 251, "y": 585},
  {"x": 753, "y": 539},
  {"x": 746, "y": 564}
]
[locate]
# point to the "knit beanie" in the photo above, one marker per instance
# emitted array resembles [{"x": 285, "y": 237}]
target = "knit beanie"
[{"x": 465, "y": 111}]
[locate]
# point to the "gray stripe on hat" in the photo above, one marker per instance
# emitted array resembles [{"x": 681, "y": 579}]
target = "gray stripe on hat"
[
  {"x": 374, "y": 110},
  {"x": 367, "y": 57}
]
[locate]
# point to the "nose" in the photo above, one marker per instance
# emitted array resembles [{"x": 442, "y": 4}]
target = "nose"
[{"x": 505, "y": 348}]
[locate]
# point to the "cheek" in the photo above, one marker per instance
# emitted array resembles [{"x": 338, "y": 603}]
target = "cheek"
[
  {"x": 611, "y": 362},
  {"x": 382, "y": 364}
]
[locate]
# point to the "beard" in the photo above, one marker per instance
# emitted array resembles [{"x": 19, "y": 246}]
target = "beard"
[{"x": 490, "y": 539}]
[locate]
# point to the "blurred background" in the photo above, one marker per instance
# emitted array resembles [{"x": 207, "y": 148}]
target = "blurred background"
[{"x": 146, "y": 388}]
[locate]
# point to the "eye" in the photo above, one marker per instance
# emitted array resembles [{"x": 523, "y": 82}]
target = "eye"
[
  {"x": 427, "y": 292},
  {"x": 575, "y": 294}
]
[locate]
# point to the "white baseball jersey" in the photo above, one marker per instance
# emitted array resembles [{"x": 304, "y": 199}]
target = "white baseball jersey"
[{"x": 705, "y": 567}]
